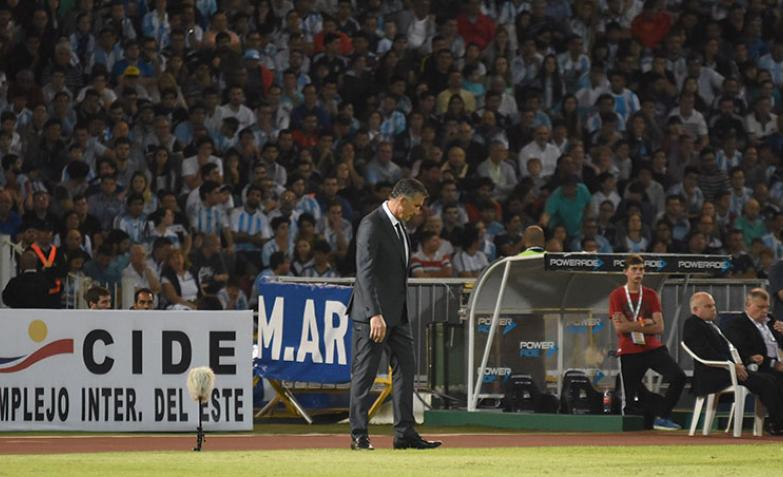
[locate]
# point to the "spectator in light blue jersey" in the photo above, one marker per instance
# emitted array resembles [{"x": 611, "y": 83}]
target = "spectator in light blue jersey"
[{"x": 134, "y": 221}]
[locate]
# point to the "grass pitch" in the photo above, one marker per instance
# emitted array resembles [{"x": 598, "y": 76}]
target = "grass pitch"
[{"x": 713, "y": 461}]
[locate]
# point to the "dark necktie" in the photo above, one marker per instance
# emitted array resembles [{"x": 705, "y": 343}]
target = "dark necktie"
[{"x": 401, "y": 237}]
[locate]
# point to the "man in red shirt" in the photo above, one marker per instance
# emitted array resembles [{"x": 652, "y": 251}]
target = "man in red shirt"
[
  {"x": 652, "y": 25},
  {"x": 638, "y": 322},
  {"x": 475, "y": 27}
]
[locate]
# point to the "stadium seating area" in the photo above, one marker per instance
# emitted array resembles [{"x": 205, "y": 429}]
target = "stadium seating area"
[{"x": 195, "y": 147}]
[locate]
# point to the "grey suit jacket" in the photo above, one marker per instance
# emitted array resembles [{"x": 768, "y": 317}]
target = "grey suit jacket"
[{"x": 381, "y": 272}]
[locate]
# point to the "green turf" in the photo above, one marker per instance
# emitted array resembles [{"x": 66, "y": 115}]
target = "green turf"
[{"x": 713, "y": 461}]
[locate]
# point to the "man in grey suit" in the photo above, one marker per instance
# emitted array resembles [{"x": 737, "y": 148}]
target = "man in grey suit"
[{"x": 380, "y": 317}]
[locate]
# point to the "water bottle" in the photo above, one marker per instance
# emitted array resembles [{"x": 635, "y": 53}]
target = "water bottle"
[{"x": 607, "y": 401}]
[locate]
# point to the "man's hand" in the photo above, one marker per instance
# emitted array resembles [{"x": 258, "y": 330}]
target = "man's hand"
[
  {"x": 779, "y": 367},
  {"x": 778, "y": 326},
  {"x": 757, "y": 358},
  {"x": 742, "y": 373},
  {"x": 377, "y": 328}
]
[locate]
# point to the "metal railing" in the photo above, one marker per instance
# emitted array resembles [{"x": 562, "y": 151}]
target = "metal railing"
[
  {"x": 729, "y": 297},
  {"x": 429, "y": 301}
]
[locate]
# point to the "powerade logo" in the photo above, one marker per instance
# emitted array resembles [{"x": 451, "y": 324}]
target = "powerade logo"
[
  {"x": 508, "y": 325},
  {"x": 704, "y": 265},
  {"x": 654, "y": 265},
  {"x": 582, "y": 326},
  {"x": 599, "y": 375},
  {"x": 492, "y": 374},
  {"x": 583, "y": 262},
  {"x": 532, "y": 349}
]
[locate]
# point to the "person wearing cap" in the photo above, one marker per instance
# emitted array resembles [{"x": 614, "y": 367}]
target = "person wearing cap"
[
  {"x": 259, "y": 75},
  {"x": 132, "y": 58},
  {"x": 132, "y": 82}
]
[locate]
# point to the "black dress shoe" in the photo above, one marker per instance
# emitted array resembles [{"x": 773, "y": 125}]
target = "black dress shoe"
[
  {"x": 415, "y": 442},
  {"x": 773, "y": 428},
  {"x": 361, "y": 443}
]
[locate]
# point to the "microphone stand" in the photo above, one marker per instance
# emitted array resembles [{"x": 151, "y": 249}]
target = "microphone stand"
[{"x": 200, "y": 429}]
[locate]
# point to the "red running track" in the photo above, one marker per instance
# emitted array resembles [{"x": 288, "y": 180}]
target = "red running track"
[{"x": 10, "y": 444}]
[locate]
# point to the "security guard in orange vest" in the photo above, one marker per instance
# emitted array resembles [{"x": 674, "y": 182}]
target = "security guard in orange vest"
[{"x": 50, "y": 259}]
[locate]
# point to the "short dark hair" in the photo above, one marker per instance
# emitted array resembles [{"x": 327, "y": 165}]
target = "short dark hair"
[
  {"x": 94, "y": 294},
  {"x": 207, "y": 169},
  {"x": 277, "y": 259},
  {"x": 134, "y": 198},
  {"x": 322, "y": 246},
  {"x": 278, "y": 221},
  {"x": 138, "y": 293},
  {"x": 206, "y": 188},
  {"x": 305, "y": 217},
  {"x": 8, "y": 161},
  {"x": 408, "y": 188},
  {"x": 469, "y": 236},
  {"x": 160, "y": 242}
]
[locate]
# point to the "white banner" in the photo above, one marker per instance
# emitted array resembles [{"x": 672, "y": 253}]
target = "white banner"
[{"x": 123, "y": 370}]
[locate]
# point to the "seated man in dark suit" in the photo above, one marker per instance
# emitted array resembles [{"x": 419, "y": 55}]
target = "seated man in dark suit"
[
  {"x": 705, "y": 339},
  {"x": 756, "y": 335}
]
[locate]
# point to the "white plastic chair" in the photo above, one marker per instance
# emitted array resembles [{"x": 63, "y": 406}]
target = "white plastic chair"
[
  {"x": 737, "y": 409},
  {"x": 758, "y": 417}
]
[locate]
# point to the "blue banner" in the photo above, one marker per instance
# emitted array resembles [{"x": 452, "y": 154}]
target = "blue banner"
[{"x": 304, "y": 333}]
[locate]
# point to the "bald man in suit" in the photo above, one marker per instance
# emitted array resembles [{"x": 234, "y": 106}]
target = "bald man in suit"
[{"x": 705, "y": 339}]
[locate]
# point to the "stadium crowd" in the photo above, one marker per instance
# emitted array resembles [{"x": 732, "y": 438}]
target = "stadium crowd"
[{"x": 197, "y": 146}]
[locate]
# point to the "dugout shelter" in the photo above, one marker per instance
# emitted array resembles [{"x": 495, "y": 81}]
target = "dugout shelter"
[{"x": 544, "y": 314}]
